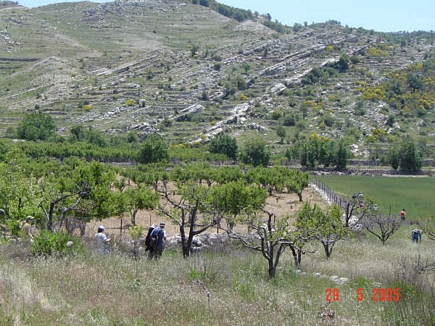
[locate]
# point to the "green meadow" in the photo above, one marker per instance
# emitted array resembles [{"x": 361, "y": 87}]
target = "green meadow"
[{"x": 416, "y": 195}]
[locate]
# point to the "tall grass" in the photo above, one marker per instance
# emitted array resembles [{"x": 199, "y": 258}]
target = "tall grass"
[{"x": 219, "y": 288}]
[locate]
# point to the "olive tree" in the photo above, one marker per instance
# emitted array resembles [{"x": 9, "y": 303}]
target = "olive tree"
[
  {"x": 17, "y": 190},
  {"x": 276, "y": 179},
  {"x": 266, "y": 237},
  {"x": 224, "y": 144},
  {"x": 154, "y": 149},
  {"x": 410, "y": 158},
  {"x": 36, "y": 126},
  {"x": 188, "y": 207},
  {"x": 243, "y": 204},
  {"x": 195, "y": 206},
  {"x": 140, "y": 198},
  {"x": 255, "y": 152},
  {"x": 324, "y": 226},
  {"x": 62, "y": 191}
]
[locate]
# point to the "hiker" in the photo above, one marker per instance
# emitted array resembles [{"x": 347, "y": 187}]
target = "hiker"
[
  {"x": 360, "y": 197},
  {"x": 375, "y": 207},
  {"x": 158, "y": 238},
  {"x": 403, "y": 214},
  {"x": 416, "y": 235},
  {"x": 26, "y": 230},
  {"x": 102, "y": 241},
  {"x": 148, "y": 246}
]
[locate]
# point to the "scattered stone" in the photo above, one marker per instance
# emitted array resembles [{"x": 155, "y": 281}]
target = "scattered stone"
[
  {"x": 327, "y": 313},
  {"x": 338, "y": 280}
]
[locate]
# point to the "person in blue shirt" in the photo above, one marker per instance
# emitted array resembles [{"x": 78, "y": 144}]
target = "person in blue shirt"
[
  {"x": 158, "y": 239},
  {"x": 416, "y": 235}
]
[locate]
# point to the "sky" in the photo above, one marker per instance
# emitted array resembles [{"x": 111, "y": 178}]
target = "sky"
[{"x": 379, "y": 15}]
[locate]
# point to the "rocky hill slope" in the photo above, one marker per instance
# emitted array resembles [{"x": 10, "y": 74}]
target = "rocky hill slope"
[{"x": 190, "y": 72}]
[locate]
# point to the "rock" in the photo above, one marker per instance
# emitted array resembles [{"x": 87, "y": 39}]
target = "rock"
[
  {"x": 338, "y": 280},
  {"x": 327, "y": 313}
]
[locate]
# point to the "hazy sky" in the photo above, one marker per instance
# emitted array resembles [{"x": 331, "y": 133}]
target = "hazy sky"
[{"x": 380, "y": 15}]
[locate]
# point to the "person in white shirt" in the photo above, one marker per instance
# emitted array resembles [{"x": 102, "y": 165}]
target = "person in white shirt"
[{"x": 102, "y": 241}]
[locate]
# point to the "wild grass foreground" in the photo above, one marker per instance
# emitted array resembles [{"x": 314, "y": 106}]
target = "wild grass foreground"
[{"x": 225, "y": 286}]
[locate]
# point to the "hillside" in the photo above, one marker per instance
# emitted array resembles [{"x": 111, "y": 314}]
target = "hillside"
[{"x": 189, "y": 72}]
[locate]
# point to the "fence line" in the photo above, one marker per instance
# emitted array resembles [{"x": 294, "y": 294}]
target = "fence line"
[{"x": 330, "y": 194}]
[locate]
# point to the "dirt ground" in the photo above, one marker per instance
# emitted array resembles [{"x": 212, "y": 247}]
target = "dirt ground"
[{"x": 281, "y": 204}]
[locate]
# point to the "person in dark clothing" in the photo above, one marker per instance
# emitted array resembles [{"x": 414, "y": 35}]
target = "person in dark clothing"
[
  {"x": 148, "y": 246},
  {"x": 416, "y": 235},
  {"x": 158, "y": 239}
]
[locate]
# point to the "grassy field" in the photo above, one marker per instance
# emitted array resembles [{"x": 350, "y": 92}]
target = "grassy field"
[
  {"x": 228, "y": 286},
  {"x": 414, "y": 194}
]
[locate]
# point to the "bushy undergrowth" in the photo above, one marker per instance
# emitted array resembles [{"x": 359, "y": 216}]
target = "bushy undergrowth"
[
  {"x": 61, "y": 243},
  {"x": 224, "y": 287}
]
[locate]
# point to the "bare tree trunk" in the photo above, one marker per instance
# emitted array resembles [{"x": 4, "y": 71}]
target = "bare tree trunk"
[
  {"x": 300, "y": 195},
  {"x": 82, "y": 226},
  {"x": 133, "y": 219},
  {"x": 70, "y": 224},
  {"x": 327, "y": 252},
  {"x": 136, "y": 249},
  {"x": 297, "y": 256},
  {"x": 271, "y": 267},
  {"x": 184, "y": 241}
]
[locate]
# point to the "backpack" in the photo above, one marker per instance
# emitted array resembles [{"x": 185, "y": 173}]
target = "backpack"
[
  {"x": 155, "y": 236},
  {"x": 148, "y": 237}
]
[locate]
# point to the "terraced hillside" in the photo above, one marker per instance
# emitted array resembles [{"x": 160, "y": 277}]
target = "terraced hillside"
[{"x": 189, "y": 72}]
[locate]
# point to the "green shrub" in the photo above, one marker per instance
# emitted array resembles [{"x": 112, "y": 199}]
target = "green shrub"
[
  {"x": 130, "y": 102},
  {"x": 61, "y": 243}
]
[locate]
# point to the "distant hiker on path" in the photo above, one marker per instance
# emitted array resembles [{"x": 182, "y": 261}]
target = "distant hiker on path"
[
  {"x": 403, "y": 214},
  {"x": 361, "y": 199},
  {"x": 416, "y": 235}
]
